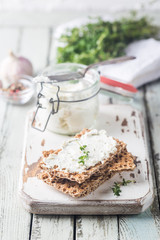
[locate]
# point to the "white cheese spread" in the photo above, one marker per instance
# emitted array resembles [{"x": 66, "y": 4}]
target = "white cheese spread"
[{"x": 78, "y": 154}]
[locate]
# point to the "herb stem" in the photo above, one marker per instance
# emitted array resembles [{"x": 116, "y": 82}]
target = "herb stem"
[{"x": 116, "y": 187}]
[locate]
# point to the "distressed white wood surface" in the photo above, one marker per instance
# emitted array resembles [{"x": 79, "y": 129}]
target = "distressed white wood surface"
[
  {"x": 145, "y": 225},
  {"x": 10, "y": 155},
  {"x": 97, "y": 227},
  {"x": 15, "y": 222},
  {"x": 52, "y": 227},
  {"x": 153, "y": 109}
]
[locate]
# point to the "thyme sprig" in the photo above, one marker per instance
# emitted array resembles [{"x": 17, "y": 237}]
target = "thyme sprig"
[
  {"x": 85, "y": 156},
  {"x": 116, "y": 187}
]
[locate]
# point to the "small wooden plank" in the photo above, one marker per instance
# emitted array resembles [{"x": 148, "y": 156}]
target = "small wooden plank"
[
  {"x": 152, "y": 97},
  {"x": 102, "y": 201},
  {"x": 52, "y": 227},
  {"x": 3, "y": 107},
  {"x": 97, "y": 227},
  {"x": 143, "y": 226},
  {"x": 10, "y": 212},
  {"x": 15, "y": 222},
  {"x": 34, "y": 45}
]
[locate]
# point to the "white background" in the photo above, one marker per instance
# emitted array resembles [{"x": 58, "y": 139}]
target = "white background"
[
  {"x": 50, "y": 13},
  {"x": 80, "y": 5}
]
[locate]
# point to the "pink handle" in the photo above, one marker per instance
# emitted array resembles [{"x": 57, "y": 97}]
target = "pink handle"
[{"x": 114, "y": 83}]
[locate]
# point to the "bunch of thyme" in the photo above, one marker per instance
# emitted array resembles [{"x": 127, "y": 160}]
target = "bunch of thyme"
[{"x": 101, "y": 40}]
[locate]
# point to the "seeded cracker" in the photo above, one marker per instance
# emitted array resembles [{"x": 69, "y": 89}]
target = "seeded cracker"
[
  {"x": 81, "y": 177},
  {"x": 74, "y": 189}
]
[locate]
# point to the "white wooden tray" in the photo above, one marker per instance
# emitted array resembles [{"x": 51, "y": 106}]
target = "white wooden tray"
[{"x": 120, "y": 121}]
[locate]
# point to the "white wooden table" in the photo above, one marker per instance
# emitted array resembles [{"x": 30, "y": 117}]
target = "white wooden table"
[{"x": 17, "y": 224}]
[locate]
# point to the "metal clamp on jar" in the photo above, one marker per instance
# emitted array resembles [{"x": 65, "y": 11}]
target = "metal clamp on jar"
[{"x": 66, "y": 107}]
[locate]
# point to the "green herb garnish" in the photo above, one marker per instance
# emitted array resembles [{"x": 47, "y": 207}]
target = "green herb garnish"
[
  {"x": 82, "y": 161},
  {"x": 116, "y": 187},
  {"x": 125, "y": 182},
  {"x": 101, "y": 40},
  {"x": 85, "y": 156},
  {"x": 83, "y": 147}
]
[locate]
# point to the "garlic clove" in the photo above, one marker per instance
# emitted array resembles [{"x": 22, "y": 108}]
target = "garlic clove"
[{"x": 13, "y": 67}]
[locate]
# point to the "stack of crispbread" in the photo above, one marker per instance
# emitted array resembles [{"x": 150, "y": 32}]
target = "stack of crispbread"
[{"x": 81, "y": 184}]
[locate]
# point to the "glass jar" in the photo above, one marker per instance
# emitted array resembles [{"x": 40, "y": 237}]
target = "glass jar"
[{"x": 69, "y": 106}]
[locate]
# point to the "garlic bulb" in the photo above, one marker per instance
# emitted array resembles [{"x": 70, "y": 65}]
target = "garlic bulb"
[{"x": 12, "y": 67}]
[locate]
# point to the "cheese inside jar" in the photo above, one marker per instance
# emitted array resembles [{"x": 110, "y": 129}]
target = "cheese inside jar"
[{"x": 67, "y": 106}]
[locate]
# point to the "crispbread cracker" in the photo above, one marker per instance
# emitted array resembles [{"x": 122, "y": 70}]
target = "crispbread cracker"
[
  {"x": 125, "y": 163},
  {"x": 74, "y": 189},
  {"x": 77, "y": 190},
  {"x": 81, "y": 177}
]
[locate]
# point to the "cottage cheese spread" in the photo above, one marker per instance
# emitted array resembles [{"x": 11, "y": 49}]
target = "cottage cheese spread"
[
  {"x": 71, "y": 116},
  {"x": 97, "y": 147},
  {"x": 72, "y": 85}
]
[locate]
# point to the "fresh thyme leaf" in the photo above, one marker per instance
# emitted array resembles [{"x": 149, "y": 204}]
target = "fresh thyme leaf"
[
  {"x": 83, "y": 147},
  {"x": 86, "y": 152},
  {"x": 125, "y": 182},
  {"x": 82, "y": 161},
  {"x": 82, "y": 157},
  {"x": 116, "y": 187}
]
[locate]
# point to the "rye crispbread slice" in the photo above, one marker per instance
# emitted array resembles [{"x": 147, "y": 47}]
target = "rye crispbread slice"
[
  {"x": 74, "y": 189},
  {"x": 81, "y": 177}
]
